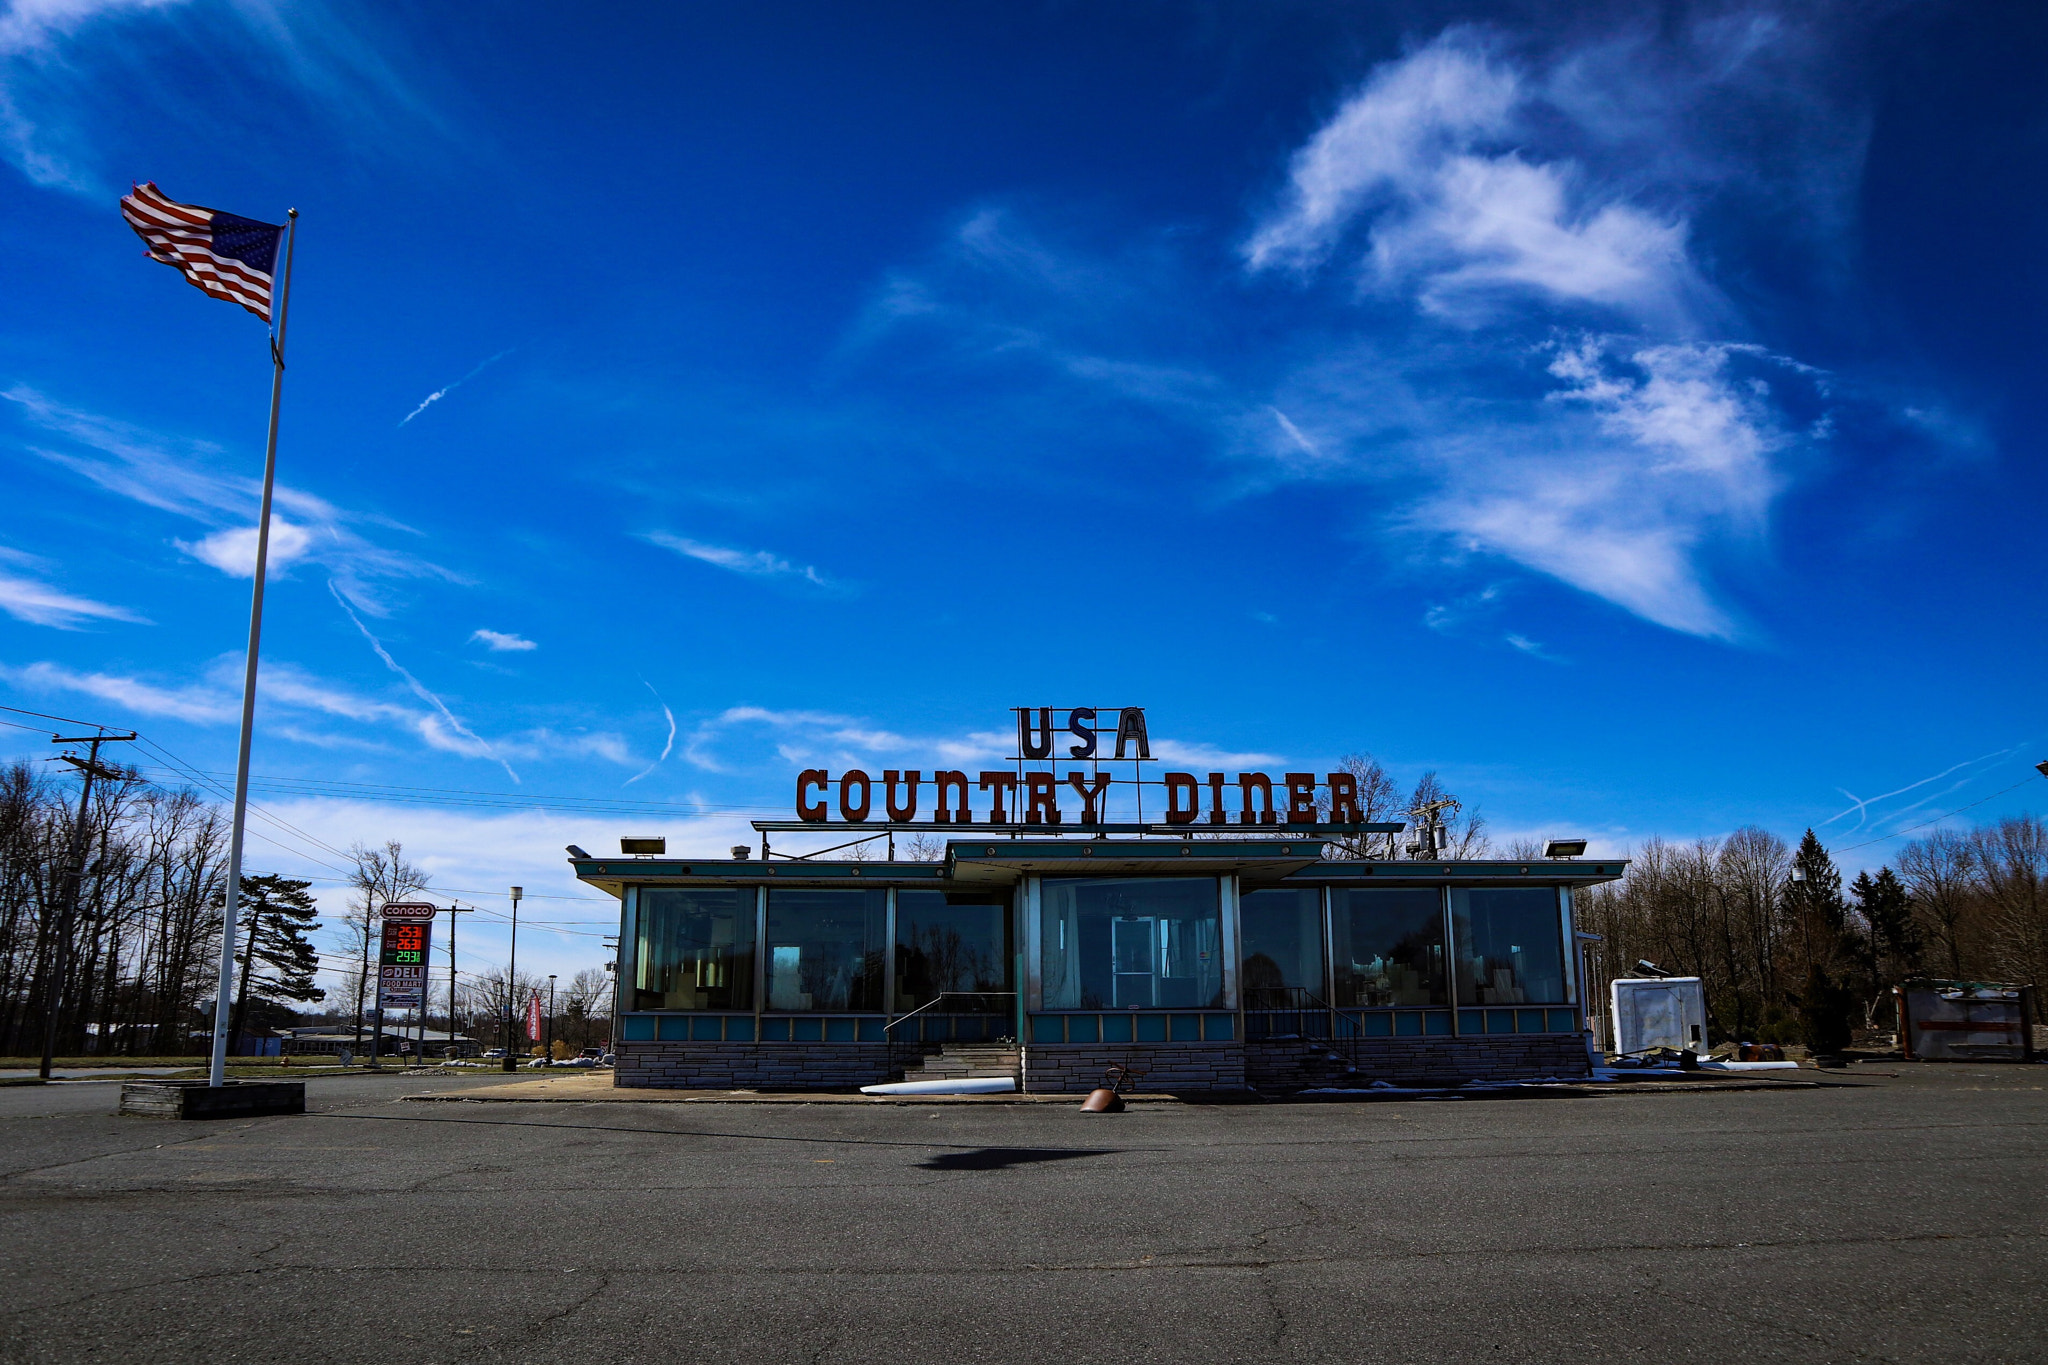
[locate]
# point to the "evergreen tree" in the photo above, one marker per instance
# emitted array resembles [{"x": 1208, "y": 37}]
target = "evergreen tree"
[
  {"x": 278, "y": 962},
  {"x": 1814, "y": 895},
  {"x": 1895, "y": 945},
  {"x": 1818, "y": 921}
]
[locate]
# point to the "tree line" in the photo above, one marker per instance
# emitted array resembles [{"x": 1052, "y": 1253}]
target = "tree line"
[
  {"x": 1788, "y": 954},
  {"x": 143, "y": 945}
]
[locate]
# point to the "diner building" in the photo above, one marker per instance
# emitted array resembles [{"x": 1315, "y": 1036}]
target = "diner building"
[{"x": 1211, "y": 961}]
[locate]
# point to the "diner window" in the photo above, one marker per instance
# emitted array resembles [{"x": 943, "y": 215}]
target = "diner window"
[
  {"x": 825, "y": 949},
  {"x": 951, "y": 942},
  {"x": 1283, "y": 946},
  {"x": 1510, "y": 945},
  {"x": 1128, "y": 943},
  {"x": 1387, "y": 944},
  {"x": 694, "y": 949}
]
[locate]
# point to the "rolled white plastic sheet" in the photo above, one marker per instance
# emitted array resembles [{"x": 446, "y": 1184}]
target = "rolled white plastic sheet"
[{"x": 958, "y": 1085}]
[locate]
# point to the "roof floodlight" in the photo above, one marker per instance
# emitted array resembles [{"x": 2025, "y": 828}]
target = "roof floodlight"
[
  {"x": 657, "y": 844},
  {"x": 1564, "y": 848},
  {"x": 578, "y": 854}
]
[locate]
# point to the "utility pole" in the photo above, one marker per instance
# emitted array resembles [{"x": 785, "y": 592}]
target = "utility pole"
[
  {"x": 60, "y": 957},
  {"x": 548, "y": 1051},
  {"x": 512, "y": 978},
  {"x": 453, "y": 911},
  {"x": 1431, "y": 813}
]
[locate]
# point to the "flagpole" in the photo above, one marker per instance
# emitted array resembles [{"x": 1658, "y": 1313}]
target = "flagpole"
[{"x": 216, "y": 1073}]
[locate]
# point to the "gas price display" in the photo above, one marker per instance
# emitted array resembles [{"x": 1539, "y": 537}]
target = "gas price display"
[
  {"x": 405, "y": 944},
  {"x": 402, "y": 963}
]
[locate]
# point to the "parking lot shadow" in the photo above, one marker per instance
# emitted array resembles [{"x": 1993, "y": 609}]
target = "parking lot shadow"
[{"x": 1002, "y": 1158}]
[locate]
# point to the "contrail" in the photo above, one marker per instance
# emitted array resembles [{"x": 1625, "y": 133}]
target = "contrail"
[
  {"x": 1861, "y": 805},
  {"x": 414, "y": 683},
  {"x": 664, "y": 748},
  {"x": 438, "y": 394}
]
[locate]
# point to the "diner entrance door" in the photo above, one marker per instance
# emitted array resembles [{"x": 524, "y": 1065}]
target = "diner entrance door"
[{"x": 1133, "y": 950}]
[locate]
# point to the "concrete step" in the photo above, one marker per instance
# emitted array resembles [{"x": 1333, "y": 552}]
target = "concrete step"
[{"x": 968, "y": 1061}]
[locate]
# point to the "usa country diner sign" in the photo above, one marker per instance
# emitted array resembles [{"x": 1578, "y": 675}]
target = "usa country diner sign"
[{"x": 1058, "y": 779}]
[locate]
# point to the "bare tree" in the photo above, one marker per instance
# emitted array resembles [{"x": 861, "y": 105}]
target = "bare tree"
[
  {"x": 1379, "y": 802},
  {"x": 2012, "y": 867},
  {"x": 923, "y": 848},
  {"x": 377, "y": 877},
  {"x": 1939, "y": 872}
]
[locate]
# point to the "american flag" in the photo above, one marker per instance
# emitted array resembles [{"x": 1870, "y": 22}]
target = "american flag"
[{"x": 229, "y": 257}]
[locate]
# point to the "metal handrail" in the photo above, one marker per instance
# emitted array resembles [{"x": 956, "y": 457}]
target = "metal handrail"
[
  {"x": 1308, "y": 1002},
  {"x": 942, "y": 995}
]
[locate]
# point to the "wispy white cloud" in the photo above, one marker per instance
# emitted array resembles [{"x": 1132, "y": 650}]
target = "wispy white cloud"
[
  {"x": 233, "y": 550},
  {"x": 64, "y": 63},
  {"x": 39, "y": 604},
  {"x": 804, "y": 737},
  {"x": 500, "y": 642},
  {"x": 1433, "y": 151},
  {"x": 200, "y": 704},
  {"x": 182, "y": 477},
  {"x": 438, "y": 394},
  {"x": 1543, "y": 372},
  {"x": 1666, "y": 449},
  {"x": 752, "y": 563},
  {"x": 1208, "y": 756},
  {"x": 1535, "y": 649}
]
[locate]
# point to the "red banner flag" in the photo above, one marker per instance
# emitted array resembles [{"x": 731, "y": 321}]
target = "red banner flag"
[{"x": 533, "y": 1018}]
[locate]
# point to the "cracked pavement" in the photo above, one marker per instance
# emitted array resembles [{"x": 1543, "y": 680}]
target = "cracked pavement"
[{"x": 1884, "y": 1218}]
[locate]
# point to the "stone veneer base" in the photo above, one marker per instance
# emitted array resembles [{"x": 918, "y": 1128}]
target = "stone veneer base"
[
  {"x": 1300, "y": 1064},
  {"x": 1278, "y": 1064}
]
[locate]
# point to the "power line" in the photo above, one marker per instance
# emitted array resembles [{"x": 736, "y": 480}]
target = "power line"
[{"x": 455, "y": 797}]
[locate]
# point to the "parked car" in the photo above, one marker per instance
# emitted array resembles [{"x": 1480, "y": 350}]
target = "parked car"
[{"x": 494, "y": 1054}]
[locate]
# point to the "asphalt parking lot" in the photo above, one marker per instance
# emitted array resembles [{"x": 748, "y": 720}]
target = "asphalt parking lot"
[{"x": 1886, "y": 1217}]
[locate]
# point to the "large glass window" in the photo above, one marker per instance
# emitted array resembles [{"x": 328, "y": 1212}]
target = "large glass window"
[
  {"x": 1130, "y": 943},
  {"x": 949, "y": 941},
  {"x": 1510, "y": 945},
  {"x": 1387, "y": 944},
  {"x": 1283, "y": 946},
  {"x": 825, "y": 949},
  {"x": 693, "y": 949}
]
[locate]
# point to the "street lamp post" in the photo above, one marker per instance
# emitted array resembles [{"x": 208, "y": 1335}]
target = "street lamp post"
[
  {"x": 549, "y": 1051},
  {"x": 512, "y": 978}
]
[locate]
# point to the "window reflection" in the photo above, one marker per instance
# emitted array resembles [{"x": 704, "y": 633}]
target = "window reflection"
[
  {"x": 694, "y": 949},
  {"x": 1283, "y": 946},
  {"x": 1131, "y": 943},
  {"x": 1510, "y": 945},
  {"x": 1387, "y": 944},
  {"x": 951, "y": 941},
  {"x": 825, "y": 949}
]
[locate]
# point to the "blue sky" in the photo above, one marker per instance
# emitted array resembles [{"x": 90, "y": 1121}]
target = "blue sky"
[{"x": 1630, "y": 412}]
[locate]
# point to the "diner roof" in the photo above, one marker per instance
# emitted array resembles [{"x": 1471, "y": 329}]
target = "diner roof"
[{"x": 991, "y": 862}]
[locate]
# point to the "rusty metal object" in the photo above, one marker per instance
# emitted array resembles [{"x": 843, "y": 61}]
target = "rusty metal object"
[{"x": 1106, "y": 1098}]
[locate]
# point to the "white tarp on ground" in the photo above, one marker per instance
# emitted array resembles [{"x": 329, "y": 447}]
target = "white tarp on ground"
[
  {"x": 1663, "y": 1011},
  {"x": 958, "y": 1085}
]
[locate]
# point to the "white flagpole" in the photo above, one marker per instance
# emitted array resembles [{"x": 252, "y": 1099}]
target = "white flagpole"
[{"x": 216, "y": 1073}]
